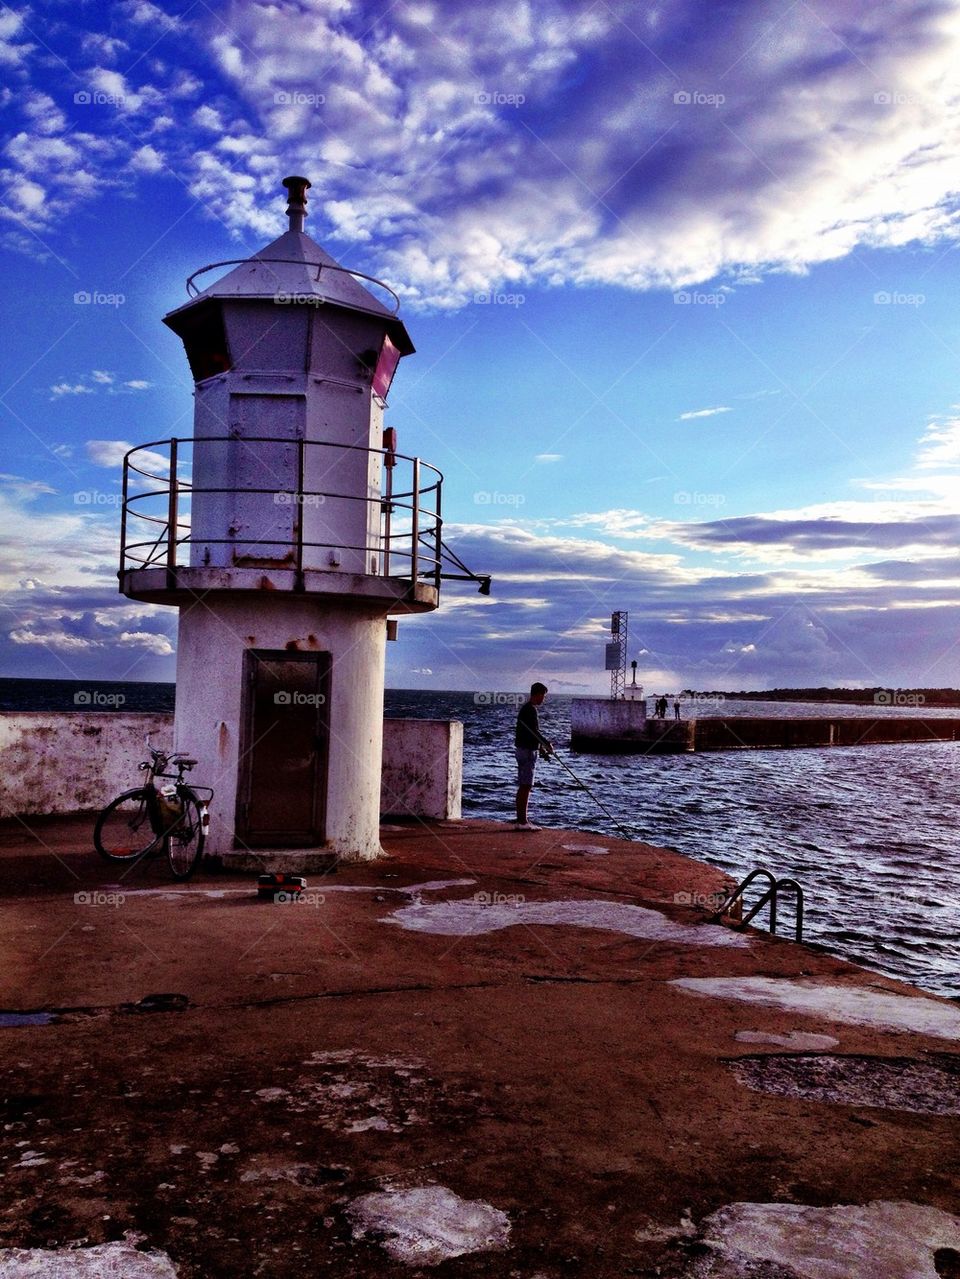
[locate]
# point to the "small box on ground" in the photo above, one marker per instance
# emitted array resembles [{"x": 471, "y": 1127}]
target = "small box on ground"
[{"x": 269, "y": 886}]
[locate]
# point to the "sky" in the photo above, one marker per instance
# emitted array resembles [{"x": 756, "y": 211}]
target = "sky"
[{"x": 682, "y": 280}]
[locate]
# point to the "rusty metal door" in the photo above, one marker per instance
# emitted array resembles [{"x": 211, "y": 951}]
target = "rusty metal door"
[
  {"x": 266, "y": 520},
  {"x": 285, "y": 749}
]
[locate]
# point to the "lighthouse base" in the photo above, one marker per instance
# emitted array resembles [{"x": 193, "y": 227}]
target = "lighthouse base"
[
  {"x": 261, "y": 861},
  {"x": 281, "y": 704}
]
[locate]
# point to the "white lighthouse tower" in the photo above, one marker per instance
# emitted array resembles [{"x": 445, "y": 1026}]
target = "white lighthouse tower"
[{"x": 286, "y": 529}]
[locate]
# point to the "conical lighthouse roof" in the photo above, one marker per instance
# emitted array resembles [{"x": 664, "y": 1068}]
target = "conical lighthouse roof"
[{"x": 295, "y": 268}]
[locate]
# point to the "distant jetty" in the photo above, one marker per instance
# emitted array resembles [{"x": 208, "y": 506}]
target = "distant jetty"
[
  {"x": 873, "y": 696},
  {"x": 743, "y": 732}
]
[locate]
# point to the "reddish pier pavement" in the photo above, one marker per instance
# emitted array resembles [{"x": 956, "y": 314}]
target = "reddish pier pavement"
[{"x": 488, "y": 1054}]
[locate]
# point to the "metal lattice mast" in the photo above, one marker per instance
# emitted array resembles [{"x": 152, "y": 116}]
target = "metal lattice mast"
[{"x": 617, "y": 655}]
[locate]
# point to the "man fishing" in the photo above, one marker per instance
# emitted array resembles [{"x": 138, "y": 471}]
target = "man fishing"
[{"x": 530, "y": 745}]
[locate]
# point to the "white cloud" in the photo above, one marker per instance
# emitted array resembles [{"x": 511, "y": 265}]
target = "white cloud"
[
  {"x": 107, "y": 452},
  {"x": 144, "y": 13},
  {"x": 96, "y": 381},
  {"x": 102, "y": 46},
  {"x": 55, "y": 640},
  {"x": 549, "y": 457},
  {"x": 940, "y": 445},
  {"x": 694, "y": 413},
  {"x": 110, "y": 453},
  {"x": 68, "y": 388},
  {"x": 46, "y": 116},
  {"x": 26, "y": 490},
  {"x": 11, "y": 28},
  {"x": 113, "y": 85},
  {"x": 153, "y": 643},
  {"x": 186, "y": 86},
  {"x": 147, "y": 159},
  {"x": 468, "y": 117},
  {"x": 456, "y": 149},
  {"x": 207, "y": 117}
]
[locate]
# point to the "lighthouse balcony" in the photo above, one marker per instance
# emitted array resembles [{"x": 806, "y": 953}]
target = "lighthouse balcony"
[{"x": 271, "y": 513}]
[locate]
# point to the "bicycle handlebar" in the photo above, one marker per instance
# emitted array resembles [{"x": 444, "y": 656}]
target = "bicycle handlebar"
[{"x": 160, "y": 760}]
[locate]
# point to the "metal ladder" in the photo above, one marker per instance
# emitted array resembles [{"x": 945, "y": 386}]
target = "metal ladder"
[{"x": 770, "y": 896}]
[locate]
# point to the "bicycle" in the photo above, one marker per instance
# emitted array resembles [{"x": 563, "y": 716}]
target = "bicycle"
[{"x": 146, "y": 820}]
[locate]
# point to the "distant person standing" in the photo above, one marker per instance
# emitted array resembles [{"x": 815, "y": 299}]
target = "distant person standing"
[
  {"x": 676, "y": 707},
  {"x": 530, "y": 745}
]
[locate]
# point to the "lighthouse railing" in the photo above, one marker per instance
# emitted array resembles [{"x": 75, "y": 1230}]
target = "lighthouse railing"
[{"x": 165, "y": 522}]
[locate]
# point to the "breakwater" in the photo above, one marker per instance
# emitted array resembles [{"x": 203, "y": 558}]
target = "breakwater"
[{"x": 743, "y": 732}]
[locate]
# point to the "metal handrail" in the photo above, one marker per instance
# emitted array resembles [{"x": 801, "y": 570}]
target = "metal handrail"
[
  {"x": 194, "y": 292},
  {"x": 408, "y": 547},
  {"x": 770, "y": 897}
]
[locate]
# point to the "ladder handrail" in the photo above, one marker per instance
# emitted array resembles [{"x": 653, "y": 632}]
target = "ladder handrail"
[
  {"x": 771, "y": 895},
  {"x": 739, "y": 890}
]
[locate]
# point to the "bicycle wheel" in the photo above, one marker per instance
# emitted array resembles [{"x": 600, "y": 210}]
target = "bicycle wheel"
[
  {"x": 123, "y": 831},
  {"x": 185, "y": 838}
]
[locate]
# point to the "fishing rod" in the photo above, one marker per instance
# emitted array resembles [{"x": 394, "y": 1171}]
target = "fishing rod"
[{"x": 583, "y": 786}]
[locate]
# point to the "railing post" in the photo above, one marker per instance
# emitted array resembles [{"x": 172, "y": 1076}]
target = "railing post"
[
  {"x": 387, "y": 513},
  {"x": 299, "y": 514},
  {"x": 415, "y": 531},
  {"x": 123, "y": 518},
  {"x": 172, "y": 510},
  {"x": 437, "y": 543}
]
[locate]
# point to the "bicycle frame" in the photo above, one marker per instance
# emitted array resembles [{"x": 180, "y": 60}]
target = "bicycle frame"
[{"x": 160, "y": 826}]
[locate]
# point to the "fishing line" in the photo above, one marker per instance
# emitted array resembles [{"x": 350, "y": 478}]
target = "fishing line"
[{"x": 594, "y": 797}]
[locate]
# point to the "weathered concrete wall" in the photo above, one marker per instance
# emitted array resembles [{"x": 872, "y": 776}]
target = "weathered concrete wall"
[
  {"x": 594, "y": 720},
  {"x": 54, "y": 762},
  {"x": 73, "y": 761},
  {"x": 422, "y": 768},
  {"x": 754, "y": 733}
]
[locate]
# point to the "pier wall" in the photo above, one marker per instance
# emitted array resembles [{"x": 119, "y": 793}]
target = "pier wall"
[
  {"x": 732, "y": 733},
  {"x": 422, "y": 768},
  {"x": 757, "y": 733},
  {"x": 594, "y": 721},
  {"x": 58, "y": 762}
]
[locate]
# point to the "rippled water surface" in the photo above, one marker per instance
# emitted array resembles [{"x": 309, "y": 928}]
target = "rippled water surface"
[{"x": 871, "y": 832}]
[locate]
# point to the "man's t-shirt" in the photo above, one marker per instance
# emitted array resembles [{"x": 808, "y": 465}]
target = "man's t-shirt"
[{"x": 528, "y": 728}]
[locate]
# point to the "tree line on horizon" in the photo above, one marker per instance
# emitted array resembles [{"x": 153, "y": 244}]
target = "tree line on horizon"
[{"x": 929, "y": 696}]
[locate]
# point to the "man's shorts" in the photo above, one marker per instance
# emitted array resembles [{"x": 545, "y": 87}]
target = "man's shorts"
[{"x": 526, "y": 765}]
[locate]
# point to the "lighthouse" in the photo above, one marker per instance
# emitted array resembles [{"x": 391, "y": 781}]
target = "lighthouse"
[{"x": 286, "y": 529}]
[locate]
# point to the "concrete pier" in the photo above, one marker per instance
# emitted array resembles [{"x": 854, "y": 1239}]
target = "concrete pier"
[
  {"x": 602, "y": 719},
  {"x": 493, "y": 1053},
  {"x": 742, "y": 732}
]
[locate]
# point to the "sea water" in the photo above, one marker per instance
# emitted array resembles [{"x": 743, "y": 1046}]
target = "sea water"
[{"x": 872, "y": 833}]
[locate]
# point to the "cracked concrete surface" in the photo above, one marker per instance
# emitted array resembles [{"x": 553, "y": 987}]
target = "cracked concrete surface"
[
  {"x": 551, "y": 1072},
  {"x": 879, "y": 1240},
  {"x": 929, "y": 1087},
  {"x": 427, "y": 1224},
  {"x": 854, "y": 1004}
]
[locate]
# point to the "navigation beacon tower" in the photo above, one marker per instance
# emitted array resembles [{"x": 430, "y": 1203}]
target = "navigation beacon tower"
[{"x": 286, "y": 530}]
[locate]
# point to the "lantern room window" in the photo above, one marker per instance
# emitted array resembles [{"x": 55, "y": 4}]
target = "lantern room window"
[
  {"x": 205, "y": 340},
  {"x": 386, "y": 367}
]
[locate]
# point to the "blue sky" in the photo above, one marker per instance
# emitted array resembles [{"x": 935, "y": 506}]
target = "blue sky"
[{"x": 682, "y": 279}]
